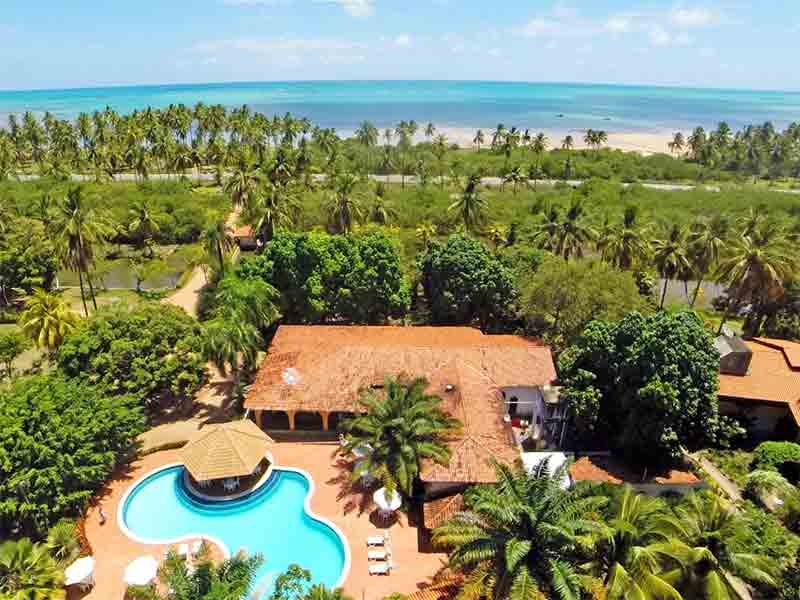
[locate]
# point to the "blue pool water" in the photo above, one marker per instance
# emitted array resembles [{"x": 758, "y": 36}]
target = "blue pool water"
[{"x": 271, "y": 521}]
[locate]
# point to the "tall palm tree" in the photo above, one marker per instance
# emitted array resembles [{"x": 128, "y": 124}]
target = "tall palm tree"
[
  {"x": 402, "y": 425},
  {"x": 344, "y": 205},
  {"x": 78, "y": 232},
  {"x": 626, "y": 245},
  {"x": 630, "y": 551},
  {"x": 574, "y": 232},
  {"x": 547, "y": 233},
  {"x": 231, "y": 578},
  {"x": 230, "y": 344},
  {"x": 243, "y": 183},
  {"x": 756, "y": 268},
  {"x": 430, "y": 131},
  {"x": 479, "y": 139},
  {"x": 671, "y": 257},
  {"x": 28, "y": 572},
  {"x": 707, "y": 242},
  {"x": 568, "y": 143},
  {"x": 143, "y": 225},
  {"x": 471, "y": 206},
  {"x": 516, "y": 539},
  {"x": 218, "y": 241},
  {"x": 272, "y": 206},
  {"x": 703, "y": 527},
  {"x": 47, "y": 319},
  {"x": 425, "y": 232}
]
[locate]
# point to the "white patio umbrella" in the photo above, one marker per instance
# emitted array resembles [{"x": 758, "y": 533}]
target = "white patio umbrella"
[
  {"x": 362, "y": 451},
  {"x": 141, "y": 571},
  {"x": 81, "y": 571},
  {"x": 388, "y": 503}
]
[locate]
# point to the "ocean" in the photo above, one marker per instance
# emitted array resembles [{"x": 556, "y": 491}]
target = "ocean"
[{"x": 448, "y": 104}]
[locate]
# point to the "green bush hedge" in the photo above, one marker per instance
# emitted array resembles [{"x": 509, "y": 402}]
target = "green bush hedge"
[{"x": 770, "y": 455}]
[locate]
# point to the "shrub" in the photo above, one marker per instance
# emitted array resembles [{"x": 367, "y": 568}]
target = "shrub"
[{"x": 771, "y": 455}]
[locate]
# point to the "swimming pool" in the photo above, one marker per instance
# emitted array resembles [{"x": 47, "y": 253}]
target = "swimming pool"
[{"x": 274, "y": 520}]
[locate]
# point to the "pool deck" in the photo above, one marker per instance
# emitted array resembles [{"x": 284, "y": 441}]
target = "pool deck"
[{"x": 352, "y": 512}]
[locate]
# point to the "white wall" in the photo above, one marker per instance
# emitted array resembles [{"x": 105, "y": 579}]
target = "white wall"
[{"x": 530, "y": 400}]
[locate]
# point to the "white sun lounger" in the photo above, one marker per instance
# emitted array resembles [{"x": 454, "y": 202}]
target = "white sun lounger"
[
  {"x": 382, "y": 554},
  {"x": 383, "y": 568},
  {"x": 377, "y": 540}
]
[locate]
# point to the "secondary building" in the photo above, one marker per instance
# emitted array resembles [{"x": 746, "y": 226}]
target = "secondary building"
[{"x": 759, "y": 382}]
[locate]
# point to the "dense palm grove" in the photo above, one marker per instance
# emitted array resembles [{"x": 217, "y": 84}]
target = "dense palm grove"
[{"x": 588, "y": 268}]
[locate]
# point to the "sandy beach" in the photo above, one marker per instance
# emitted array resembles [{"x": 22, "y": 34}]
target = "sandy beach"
[{"x": 646, "y": 143}]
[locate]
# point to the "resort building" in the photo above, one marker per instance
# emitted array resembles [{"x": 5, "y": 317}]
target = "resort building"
[
  {"x": 760, "y": 381},
  {"x": 313, "y": 376}
]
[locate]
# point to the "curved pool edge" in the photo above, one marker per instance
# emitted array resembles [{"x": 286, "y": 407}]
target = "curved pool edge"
[{"x": 312, "y": 486}]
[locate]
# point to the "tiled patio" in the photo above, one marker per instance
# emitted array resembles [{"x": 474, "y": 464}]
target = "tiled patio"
[{"x": 352, "y": 513}]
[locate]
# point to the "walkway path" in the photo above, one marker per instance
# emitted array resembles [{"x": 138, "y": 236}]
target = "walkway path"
[{"x": 726, "y": 485}]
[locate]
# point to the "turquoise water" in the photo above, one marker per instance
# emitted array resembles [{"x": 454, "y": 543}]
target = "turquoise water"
[
  {"x": 468, "y": 104},
  {"x": 271, "y": 521}
]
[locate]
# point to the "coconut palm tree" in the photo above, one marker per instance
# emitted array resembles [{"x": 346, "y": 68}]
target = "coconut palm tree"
[
  {"x": 479, "y": 139},
  {"x": 671, "y": 257},
  {"x": 28, "y": 572},
  {"x": 217, "y": 241},
  {"x": 430, "y": 131},
  {"x": 47, "y": 319},
  {"x": 273, "y": 205},
  {"x": 702, "y": 529},
  {"x": 568, "y": 143},
  {"x": 628, "y": 553},
  {"x": 626, "y": 245},
  {"x": 231, "y": 578},
  {"x": 402, "y": 425},
  {"x": 677, "y": 143},
  {"x": 252, "y": 301},
  {"x": 243, "y": 183},
  {"x": 78, "y": 231},
  {"x": 755, "y": 269},
  {"x": 230, "y": 344},
  {"x": 143, "y": 225},
  {"x": 516, "y": 539},
  {"x": 707, "y": 240},
  {"x": 471, "y": 206},
  {"x": 546, "y": 234},
  {"x": 574, "y": 233},
  {"x": 344, "y": 205}
]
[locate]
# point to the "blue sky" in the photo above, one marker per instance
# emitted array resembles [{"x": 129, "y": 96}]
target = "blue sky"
[{"x": 73, "y": 43}]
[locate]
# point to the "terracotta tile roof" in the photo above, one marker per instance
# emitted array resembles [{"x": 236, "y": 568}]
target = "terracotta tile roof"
[
  {"x": 609, "y": 469},
  {"x": 324, "y": 368},
  {"x": 436, "y": 512},
  {"x": 773, "y": 376}
]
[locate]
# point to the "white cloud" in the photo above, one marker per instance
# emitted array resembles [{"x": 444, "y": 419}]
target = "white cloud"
[
  {"x": 659, "y": 36},
  {"x": 356, "y": 8},
  {"x": 693, "y": 17},
  {"x": 295, "y": 49},
  {"x": 619, "y": 24},
  {"x": 402, "y": 40}
]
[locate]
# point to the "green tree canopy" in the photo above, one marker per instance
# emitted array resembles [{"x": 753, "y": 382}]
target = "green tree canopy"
[
  {"x": 323, "y": 277},
  {"x": 59, "y": 441},
  {"x": 649, "y": 383},
  {"x": 464, "y": 282},
  {"x": 151, "y": 352},
  {"x": 27, "y": 260},
  {"x": 562, "y": 297}
]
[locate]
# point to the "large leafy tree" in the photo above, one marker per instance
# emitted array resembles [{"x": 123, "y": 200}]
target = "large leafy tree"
[
  {"x": 647, "y": 383},
  {"x": 465, "y": 282},
  {"x": 562, "y": 297},
  {"x": 150, "y": 352},
  {"x": 402, "y": 426},
  {"x": 27, "y": 260},
  {"x": 320, "y": 277},
  {"x": 28, "y": 572},
  {"x": 60, "y": 439},
  {"x": 518, "y": 540}
]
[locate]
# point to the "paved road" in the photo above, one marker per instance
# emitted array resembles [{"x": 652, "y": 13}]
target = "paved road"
[{"x": 413, "y": 180}]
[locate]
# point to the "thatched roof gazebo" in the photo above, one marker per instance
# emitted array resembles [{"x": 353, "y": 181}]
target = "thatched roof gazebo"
[{"x": 226, "y": 451}]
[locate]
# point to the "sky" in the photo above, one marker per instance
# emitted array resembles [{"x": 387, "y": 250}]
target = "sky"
[{"x": 80, "y": 43}]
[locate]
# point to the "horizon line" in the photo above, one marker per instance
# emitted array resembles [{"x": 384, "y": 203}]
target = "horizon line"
[{"x": 400, "y": 80}]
